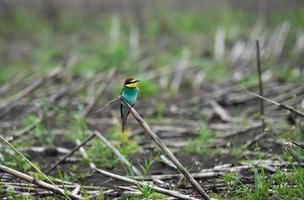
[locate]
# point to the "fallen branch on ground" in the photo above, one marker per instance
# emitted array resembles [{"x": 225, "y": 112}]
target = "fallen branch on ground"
[
  {"x": 28, "y": 161},
  {"x": 138, "y": 183},
  {"x": 40, "y": 183},
  {"x": 281, "y": 105}
]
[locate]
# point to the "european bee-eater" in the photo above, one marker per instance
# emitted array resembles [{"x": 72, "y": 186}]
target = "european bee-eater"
[{"x": 129, "y": 92}]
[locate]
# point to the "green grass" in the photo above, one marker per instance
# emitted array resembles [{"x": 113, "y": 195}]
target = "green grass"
[
  {"x": 90, "y": 40},
  {"x": 281, "y": 185}
]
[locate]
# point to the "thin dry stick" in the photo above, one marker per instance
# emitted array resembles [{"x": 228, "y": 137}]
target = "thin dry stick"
[
  {"x": 84, "y": 142},
  {"x": 28, "y": 161},
  {"x": 157, "y": 140},
  {"x": 168, "y": 162},
  {"x": 258, "y": 57},
  {"x": 85, "y": 155},
  {"x": 99, "y": 93},
  {"x": 255, "y": 139},
  {"x": 108, "y": 104},
  {"x": 117, "y": 153},
  {"x": 40, "y": 183},
  {"x": 284, "y": 106},
  {"x": 138, "y": 183}
]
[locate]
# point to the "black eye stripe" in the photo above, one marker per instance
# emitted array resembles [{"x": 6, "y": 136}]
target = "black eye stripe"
[{"x": 131, "y": 81}]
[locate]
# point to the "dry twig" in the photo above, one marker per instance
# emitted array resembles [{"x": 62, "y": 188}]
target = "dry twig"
[
  {"x": 40, "y": 183},
  {"x": 284, "y": 106},
  {"x": 138, "y": 183},
  {"x": 84, "y": 142},
  {"x": 108, "y": 104},
  {"x": 258, "y": 57},
  {"x": 163, "y": 147}
]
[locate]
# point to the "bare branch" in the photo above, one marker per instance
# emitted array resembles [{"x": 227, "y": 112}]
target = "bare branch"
[
  {"x": 89, "y": 138},
  {"x": 108, "y": 104},
  {"x": 157, "y": 140},
  {"x": 284, "y": 106}
]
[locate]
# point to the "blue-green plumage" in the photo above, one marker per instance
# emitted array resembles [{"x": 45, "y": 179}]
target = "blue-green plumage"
[{"x": 130, "y": 95}]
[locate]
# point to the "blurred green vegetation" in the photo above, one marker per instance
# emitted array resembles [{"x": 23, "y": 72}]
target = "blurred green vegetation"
[{"x": 48, "y": 42}]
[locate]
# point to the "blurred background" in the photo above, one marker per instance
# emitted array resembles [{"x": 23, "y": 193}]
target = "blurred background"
[
  {"x": 61, "y": 60},
  {"x": 141, "y": 35}
]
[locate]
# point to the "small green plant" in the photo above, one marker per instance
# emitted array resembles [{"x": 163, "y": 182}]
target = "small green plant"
[
  {"x": 100, "y": 196},
  {"x": 149, "y": 194},
  {"x": 262, "y": 185},
  {"x": 148, "y": 163}
]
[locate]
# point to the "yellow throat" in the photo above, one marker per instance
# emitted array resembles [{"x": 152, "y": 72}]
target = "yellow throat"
[{"x": 132, "y": 85}]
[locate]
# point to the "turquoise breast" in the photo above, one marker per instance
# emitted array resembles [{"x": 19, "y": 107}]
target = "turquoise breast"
[{"x": 130, "y": 95}]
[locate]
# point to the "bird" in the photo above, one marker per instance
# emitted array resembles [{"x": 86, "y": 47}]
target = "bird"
[{"x": 129, "y": 93}]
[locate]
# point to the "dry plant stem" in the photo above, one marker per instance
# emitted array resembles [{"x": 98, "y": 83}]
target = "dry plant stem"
[
  {"x": 258, "y": 57},
  {"x": 28, "y": 161},
  {"x": 85, "y": 155},
  {"x": 89, "y": 138},
  {"x": 199, "y": 175},
  {"x": 220, "y": 111},
  {"x": 168, "y": 162},
  {"x": 38, "y": 182},
  {"x": 108, "y": 104},
  {"x": 284, "y": 106},
  {"x": 255, "y": 139},
  {"x": 117, "y": 153},
  {"x": 138, "y": 183},
  {"x": 163, "y": 147}
]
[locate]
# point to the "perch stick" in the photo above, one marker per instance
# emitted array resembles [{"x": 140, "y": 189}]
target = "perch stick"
[{"x": 157, "y": 140}]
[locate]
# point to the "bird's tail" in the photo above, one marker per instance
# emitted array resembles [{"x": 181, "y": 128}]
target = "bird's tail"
[
  {"x": 123, "y": 123},
  {"x": 124, "y": 117}
]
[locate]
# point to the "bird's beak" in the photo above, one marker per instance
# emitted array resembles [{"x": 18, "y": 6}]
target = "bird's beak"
[{"x": 136, "y": 81}]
